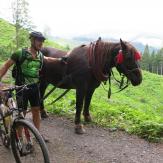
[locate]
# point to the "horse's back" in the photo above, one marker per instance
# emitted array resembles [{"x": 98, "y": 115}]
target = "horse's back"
[
  {"x": 77, "y": 65},
  {"x": 53, "y": 52}
]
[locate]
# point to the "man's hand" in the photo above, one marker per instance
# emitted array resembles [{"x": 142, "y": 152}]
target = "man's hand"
[
  {"x": 5, "y": 67},
  {"x": 64, "y": 59}
]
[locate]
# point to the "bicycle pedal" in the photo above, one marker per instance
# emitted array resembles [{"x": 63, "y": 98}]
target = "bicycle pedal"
[
  {"x": 26, "y": 149},
  {"x": 6, "y": 142}
]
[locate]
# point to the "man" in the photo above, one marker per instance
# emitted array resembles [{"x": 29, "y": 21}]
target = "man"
[{"x": 30, "y": 67}]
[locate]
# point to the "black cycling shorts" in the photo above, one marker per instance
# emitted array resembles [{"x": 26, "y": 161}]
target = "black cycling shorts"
[{"x": 31, "y": 95}]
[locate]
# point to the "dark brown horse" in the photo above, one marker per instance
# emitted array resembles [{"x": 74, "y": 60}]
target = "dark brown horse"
[{"x": 87, "y": 66}]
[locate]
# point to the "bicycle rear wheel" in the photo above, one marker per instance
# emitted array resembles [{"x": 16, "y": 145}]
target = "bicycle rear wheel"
[{"x": 27, "y": 144}]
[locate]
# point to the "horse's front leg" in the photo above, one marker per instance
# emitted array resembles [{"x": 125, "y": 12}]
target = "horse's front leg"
[
  {"x": 79, "y": 105},
  {"x": 88, "y": 98}
]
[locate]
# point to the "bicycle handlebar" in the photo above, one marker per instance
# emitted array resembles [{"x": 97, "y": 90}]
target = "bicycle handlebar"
[
  {"x": 12, "y": 88},
  {"x": 16, "y": 87}
]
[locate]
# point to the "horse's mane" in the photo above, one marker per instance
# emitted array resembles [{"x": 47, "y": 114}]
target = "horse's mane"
[{"x": 97, "y": 56}]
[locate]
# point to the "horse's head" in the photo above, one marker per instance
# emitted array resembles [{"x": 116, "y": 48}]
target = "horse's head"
[{"x": 127, "y": 63}]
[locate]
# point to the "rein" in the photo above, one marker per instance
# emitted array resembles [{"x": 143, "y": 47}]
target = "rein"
[
  {"x": 130, "y": 71},
  {"x": 65, "y": 79},
  {"x": 58, "y": 85},
  {"x": 121, "y": 83}
]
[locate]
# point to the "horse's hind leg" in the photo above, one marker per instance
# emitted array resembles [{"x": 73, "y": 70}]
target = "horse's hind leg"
[
  {"x": 43, "y": 86},
  {"x": 88, "y": 98},
  {"x": 79, "y": 104}
]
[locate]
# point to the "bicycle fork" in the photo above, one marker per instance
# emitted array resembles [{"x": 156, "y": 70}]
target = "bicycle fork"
[{"x": 24, "y": 146}]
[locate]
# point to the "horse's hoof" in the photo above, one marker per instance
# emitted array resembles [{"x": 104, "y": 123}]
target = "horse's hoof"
[
  {"x": 79, "y": 129},
  {"x": 44, "y": 114},
  {"x": 87, "y": 119}
]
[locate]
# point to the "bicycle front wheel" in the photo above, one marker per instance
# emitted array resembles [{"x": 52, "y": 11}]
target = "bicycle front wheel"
[{"x": 27, "y": 144}]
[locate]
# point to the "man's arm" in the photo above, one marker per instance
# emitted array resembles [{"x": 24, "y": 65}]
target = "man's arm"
[
  {"x": 62, "y": 59},
  {"x": 51, "y": 59},
  {"x": 5, "y": 67}
]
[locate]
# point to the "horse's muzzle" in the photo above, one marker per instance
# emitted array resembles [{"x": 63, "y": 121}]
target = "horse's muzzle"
[{"x": 135, "y": 77}]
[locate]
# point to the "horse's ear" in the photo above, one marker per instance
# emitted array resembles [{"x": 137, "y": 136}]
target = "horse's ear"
[{"x": 123, "y": 45}]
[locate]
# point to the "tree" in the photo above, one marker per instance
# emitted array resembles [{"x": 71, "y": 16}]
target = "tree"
[
  {"x": 21, "y": 21},
  {"x": 153, "y": 62},
  {"x": 146, "y": 59},
  {"x": 159, "y": 61}
]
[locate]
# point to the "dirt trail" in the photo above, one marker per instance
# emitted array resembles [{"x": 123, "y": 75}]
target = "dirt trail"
[{"x": 98, "y": 145}]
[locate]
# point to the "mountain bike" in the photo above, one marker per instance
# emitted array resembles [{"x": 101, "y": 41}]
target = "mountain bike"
[{"x": 18, "y": 133}]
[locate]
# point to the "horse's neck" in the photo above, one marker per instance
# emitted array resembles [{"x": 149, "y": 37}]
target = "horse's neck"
[{"x": 113, "y": 49}]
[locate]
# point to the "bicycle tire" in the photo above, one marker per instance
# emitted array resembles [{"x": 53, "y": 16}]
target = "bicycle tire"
[
  {"x": 35, "y": 132},
  {"x": 4, "y": 129}
]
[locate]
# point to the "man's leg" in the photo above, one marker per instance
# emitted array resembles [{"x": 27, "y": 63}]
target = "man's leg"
[
  {"x": 34, "y": 99},
  {"x": 22, "y": 102},
  {"x": 36, "y": 116},
  {"x": 37, "y": 120}
]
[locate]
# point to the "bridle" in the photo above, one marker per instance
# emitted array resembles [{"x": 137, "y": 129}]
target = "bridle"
[{"x": 119, "y": 59}]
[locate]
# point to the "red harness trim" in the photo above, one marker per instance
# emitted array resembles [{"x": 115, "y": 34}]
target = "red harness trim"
[
  {"x": 120, "y": 57},
  {"x": 137, "y": 56}
]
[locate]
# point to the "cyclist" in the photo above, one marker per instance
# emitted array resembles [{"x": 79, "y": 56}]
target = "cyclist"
[{"x": 29, "y": 74}]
